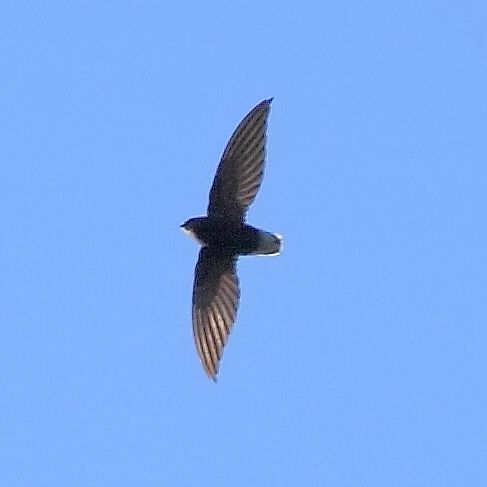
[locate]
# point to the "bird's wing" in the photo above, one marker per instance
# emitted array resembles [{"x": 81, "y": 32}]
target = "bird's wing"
[
  {"x": 215, "y": 301},
  {"x": 241, "y": 169}
]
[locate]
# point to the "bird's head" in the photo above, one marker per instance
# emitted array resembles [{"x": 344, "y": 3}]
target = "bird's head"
[{"x": 192, "y": 226}]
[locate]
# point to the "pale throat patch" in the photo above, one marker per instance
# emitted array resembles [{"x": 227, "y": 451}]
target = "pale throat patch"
[{"x": 192, "y": 235}]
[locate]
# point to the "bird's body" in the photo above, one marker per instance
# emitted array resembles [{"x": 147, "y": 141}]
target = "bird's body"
[
  {"x": 235, "y": 238},
  {"x": 224, "y": 236}
]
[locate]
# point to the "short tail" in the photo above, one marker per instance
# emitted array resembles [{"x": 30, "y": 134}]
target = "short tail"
[{"x": 269, "y": 244}]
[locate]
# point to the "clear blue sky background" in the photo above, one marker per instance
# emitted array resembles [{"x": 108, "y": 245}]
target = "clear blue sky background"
[{"x": 359, "y": 356}]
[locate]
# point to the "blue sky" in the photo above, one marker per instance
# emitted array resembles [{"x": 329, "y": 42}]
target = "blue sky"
[{"x": 359, "y": 354}]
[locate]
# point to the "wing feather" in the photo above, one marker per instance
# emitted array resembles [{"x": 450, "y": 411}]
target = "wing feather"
[
  {"x": 216, "y": 296},
  {"x": 241, "y": 169}
]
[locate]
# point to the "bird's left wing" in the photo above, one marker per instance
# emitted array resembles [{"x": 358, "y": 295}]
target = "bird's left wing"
[
  {"x": 215, "y": 301},
  {"x": 241, "y": 169}
]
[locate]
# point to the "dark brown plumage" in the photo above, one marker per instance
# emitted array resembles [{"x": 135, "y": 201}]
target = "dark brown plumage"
[{"x": 224, "y": 236}]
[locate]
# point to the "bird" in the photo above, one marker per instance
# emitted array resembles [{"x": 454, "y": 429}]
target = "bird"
[{"x": 224, "y": 236}]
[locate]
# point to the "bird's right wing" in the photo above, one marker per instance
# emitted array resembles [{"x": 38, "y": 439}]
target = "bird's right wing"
[
  {"x": 215, "y": 301},
  {"x": 241, "y": 169}
]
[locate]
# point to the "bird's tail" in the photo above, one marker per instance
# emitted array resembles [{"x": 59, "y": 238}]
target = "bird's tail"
[{"x": 269, "y": 244}]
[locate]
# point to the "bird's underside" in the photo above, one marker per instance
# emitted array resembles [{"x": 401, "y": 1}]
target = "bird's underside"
[{"x": 224, "y": 236}]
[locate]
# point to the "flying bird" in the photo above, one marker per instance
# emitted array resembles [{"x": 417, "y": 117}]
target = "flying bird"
[{"x": 224, "y": 236}]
